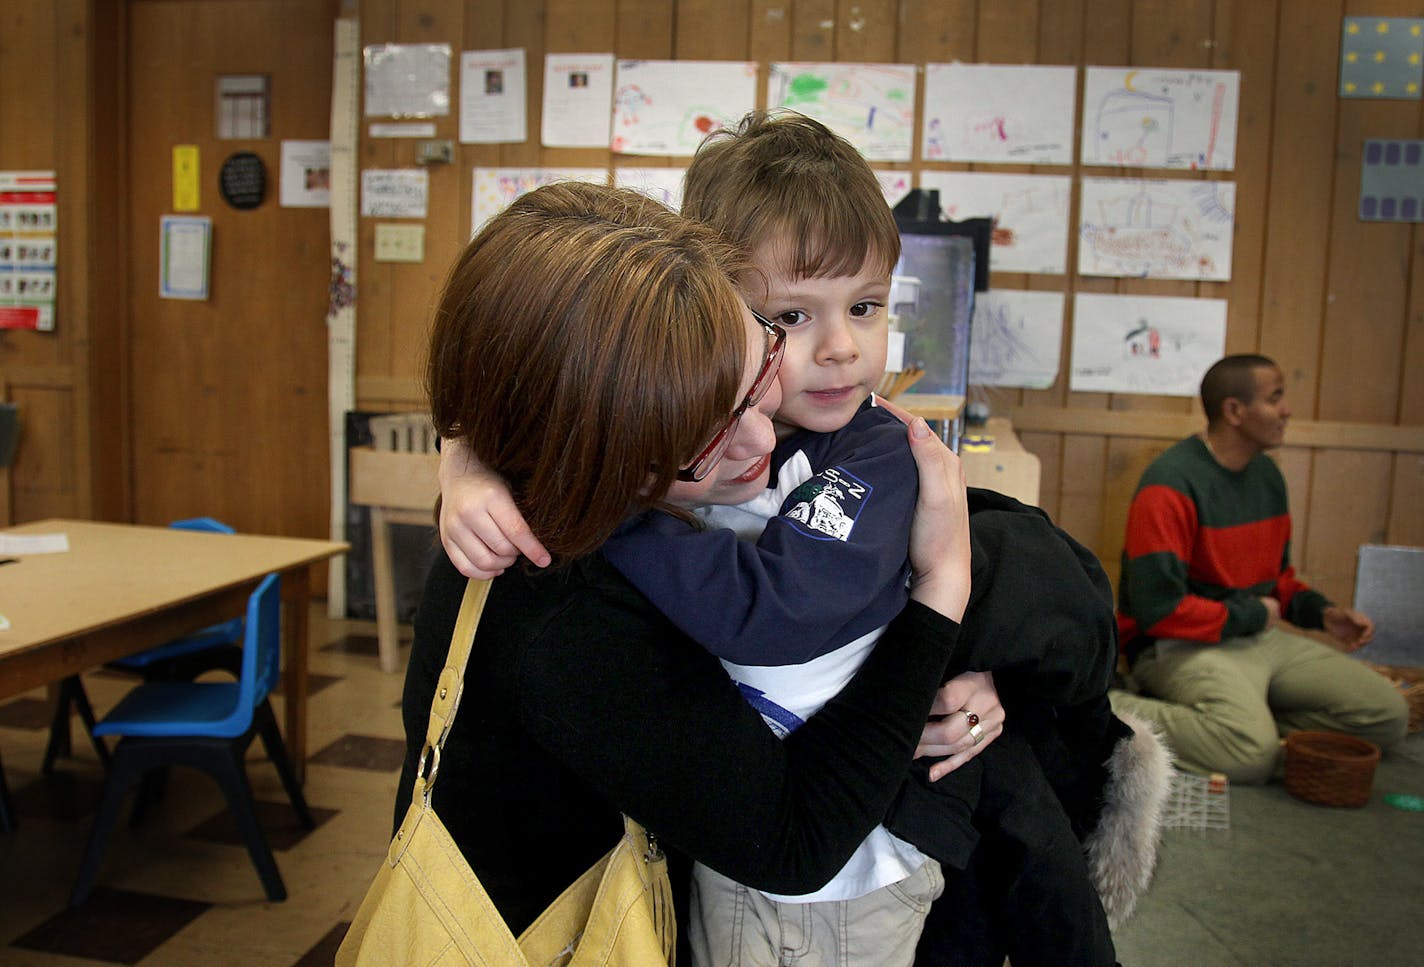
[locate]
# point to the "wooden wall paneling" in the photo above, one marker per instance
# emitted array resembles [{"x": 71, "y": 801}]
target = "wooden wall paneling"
[
  {"x": 43, "y": 480},
  {"x": 1127, "y": 458},
  {"x": 574, "y": 26},
  {"x": 813, "y": 30},
  {"x": 1363, "y": 320},
  {"x": 1080, "y": 505},
  {"x": 866, "y": 31},
  {"x": 482, "y": 29},
  {"x": 524, "y": 25},
  {"x": 645, "y": 27},
  {"x": 1349, "y": 506},
  {"x": 768, "y": 37},
  {"x": 1244, "y": 39},
  {"x": 1298, "y": 222},
  {"x": 1297, "y": 466},
  {"x": 710, "y": 30},
  {"x": 376, "y": 298},
  {"x": 1406, "y": 496},
  {"x": 1048, "y": 447}
]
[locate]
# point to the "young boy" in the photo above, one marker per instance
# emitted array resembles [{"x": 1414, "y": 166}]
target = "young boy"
[{"x": 793, "y": 614}]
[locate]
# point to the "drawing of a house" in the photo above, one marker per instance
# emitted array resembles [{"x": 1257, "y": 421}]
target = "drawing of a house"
[{"x": 1142, "y": 342}]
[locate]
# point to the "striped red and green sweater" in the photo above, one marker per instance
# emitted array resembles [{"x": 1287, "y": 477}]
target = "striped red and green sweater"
[{"x": 1203, "y": 544}]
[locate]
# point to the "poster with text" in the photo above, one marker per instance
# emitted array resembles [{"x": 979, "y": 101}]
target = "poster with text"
[
  {"x": 999, "y": 113},
  {"x": 1154, "y": 345},
  {"x": 870, "y": 105},
  {"x": 1030, "y": 212},
  {"x": 1016, "y": 339},
  {"x": 578, "y": 100},
  {"x": 1146, "y": 118},
  {"x": 492, "y": 96},
  {"x": 1156, "y": 229},
  {"x": 665, "y": 108},
  {"x": 495, "y": 188}
]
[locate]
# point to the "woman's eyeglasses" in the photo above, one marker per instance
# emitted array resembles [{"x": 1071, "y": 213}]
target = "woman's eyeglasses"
[{"x": 703, "y": 463}]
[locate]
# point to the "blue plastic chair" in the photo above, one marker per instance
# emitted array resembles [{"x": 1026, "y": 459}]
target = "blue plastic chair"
[
  {"x": 217, "y": 647},
  {"x": 207, "y": 726}
]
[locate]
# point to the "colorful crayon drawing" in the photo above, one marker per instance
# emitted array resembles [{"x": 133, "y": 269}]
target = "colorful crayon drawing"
[
  {"x": 1160, "y": 118},
  {"x": 1030, "y": 213},
  {"x": 1156, "y": 229},
  {"x": 870, "y": 105},
  {"x": 1154, "y": 345},
  {"x": 495, "y": 188},
  {"x": 999, "y": 113},
  {"x": 1017, "y": 339},
  {"x": 665, "y": 108}
]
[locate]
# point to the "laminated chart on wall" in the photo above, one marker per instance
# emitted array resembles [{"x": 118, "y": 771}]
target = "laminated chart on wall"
[
  {"x": 1030, "y": 212},
  {"x": 1156, "y": 229},
  {"x": 665, "y": 108},
  {"x": 662, "y": 184},
  {"x": 407, "y": 80},
  {"x": 1153, "y": 118},
  {"x": 1154, "y": 345},
  {"x": 1392, "y": 181},
  {"x": 1381, "y": 57},
  {"x": 1016, "y": 339},
  {"x": 578, "y": 101},
  {"x": 495, "y": 188},
  {"x": 870, "y": 105},
  {"x": 29, "y": 250},
  {"x": 999, "y": 113}
]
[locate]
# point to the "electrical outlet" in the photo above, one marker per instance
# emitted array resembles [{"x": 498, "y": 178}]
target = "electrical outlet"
[{"x": 400, "y": 243}]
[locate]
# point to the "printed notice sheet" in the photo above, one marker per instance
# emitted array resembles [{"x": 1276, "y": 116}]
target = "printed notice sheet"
[
  {"x": 395, "y": 192},
  {"x": 306, "y": 174},
  {"x": 1156, "y": 229},
  {"x": 578, "y": 100},
  {"x": 495, "y": 188},
  {"x": 492, "y": 96},
  {"x": 1016, "y": 339},
  {"x": 1160, "y": 118},
  {"x": 184, "y": 254},
  {"x": 1154, "y": 345},
  {"x": 995, "y": 113},
  {"x": 870, "y": 105},
  {"x": 1030, "y": 212},
  {"x": 666, "y": 107},
  {"x": 407, "y": 80}
]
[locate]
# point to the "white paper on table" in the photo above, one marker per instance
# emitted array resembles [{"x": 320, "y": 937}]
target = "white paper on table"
[
  {"x": 1160, "y": 118},
  {"x": 870, "y": 105},
  {"x": 999, "y": 113},
  {"x": 1017, "y": 338},
  {"x": 33, "y": 543},
  {"x": 1155, "y": 345},
  {"x": 894, "y": 185},
  {"x": 492, "y": 96},
  {"x": 1031, "y": 213},
  {"x": 578, "y": 101},
  {"x": 407, "y": 80},
  {"x": 666, "y": 107},
  {"x": 1156, "y": 228},
  {"x": 395, "y": 192},
  {"x": 495, "y": 188},
  {"x": 306, "y": 174},
  {"x": 664, "y": 184}
]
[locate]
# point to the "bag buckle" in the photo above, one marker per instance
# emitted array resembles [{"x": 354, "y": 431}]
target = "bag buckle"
[{"x": 429, "y": 757}]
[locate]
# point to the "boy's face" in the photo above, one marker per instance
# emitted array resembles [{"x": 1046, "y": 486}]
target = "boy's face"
[{"x": 837, "y": 331}]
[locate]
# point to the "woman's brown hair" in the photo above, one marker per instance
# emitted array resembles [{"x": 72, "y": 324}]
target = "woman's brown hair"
[{"x": 587, "y": 343}]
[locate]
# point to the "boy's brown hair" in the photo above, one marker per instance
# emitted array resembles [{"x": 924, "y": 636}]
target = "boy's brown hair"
[
  {"x": 587, "y": 343},
  {"x": 789, "y": 179}
]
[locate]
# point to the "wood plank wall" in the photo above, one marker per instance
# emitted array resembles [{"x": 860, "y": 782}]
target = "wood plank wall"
[{"x": 1338, "y": 302}]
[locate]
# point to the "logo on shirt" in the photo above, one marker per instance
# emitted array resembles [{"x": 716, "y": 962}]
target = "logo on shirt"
[
  {"x": 780, "y": 720},
  {"x": 826, "y": 506}
]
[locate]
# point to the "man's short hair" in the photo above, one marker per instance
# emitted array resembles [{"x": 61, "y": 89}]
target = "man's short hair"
[
  {"x": 787, "y": 178},
  {"x": 1231, "y": 377}
]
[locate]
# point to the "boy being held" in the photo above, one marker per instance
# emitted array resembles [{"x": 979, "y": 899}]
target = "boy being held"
[{"x": 794, "y": 607}]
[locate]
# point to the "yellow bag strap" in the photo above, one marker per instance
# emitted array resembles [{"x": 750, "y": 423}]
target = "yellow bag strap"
[{"x": 446, "y": 701}]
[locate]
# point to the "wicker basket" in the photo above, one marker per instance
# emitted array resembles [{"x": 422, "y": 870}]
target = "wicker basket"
[{"x": 1330, "y": 769}]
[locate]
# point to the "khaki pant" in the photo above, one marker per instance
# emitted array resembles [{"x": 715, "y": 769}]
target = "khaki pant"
[
  {"x": 731, "y": 925},
  {"x": 1224, "y": 707}
]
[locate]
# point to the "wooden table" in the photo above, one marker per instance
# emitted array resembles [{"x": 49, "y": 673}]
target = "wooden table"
[{"x": 122, "y": 588}]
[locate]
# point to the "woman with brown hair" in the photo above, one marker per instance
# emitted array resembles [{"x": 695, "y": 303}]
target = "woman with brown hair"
[{"x": 591, "y": 349}]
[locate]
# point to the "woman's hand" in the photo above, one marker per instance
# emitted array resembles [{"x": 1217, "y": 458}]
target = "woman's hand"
[
  {"x": 939, "y": 537},
  {"x": 948, "y": 732},
  {"x": 481, "y": 529}
]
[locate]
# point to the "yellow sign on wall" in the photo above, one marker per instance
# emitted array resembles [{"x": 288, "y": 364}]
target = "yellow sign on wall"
[{"x": 185, "y": 177}]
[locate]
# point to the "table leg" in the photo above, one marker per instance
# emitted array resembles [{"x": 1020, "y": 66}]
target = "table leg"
[{"x": 296, "y": 600}]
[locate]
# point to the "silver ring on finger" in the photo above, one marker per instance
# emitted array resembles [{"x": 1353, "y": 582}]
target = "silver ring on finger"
[{"x": 976, "y": 732}]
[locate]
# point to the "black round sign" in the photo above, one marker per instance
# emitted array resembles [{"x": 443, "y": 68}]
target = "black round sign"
[{"x": 243, "y": 180}]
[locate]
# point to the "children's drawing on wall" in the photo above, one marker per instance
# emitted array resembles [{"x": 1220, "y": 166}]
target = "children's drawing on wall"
[
  {"x": 1154, "y": 345},
  {"x": 665, "y": 107},
  {"x": 495, "y": 188},
  {"x": 870, "y": 105},
  {"x": 1160, "y": 118},
  {"x": 894, "y": 184},
  {"x": 1030, "y": 213},
  {"x": 1017, "y": 338},
  {"x": 1156, "y": 229},
  {"x": 989, "y": 112},
  {"x": 664, "y": 184}
]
